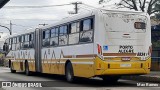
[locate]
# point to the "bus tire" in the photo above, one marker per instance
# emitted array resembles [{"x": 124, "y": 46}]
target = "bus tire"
[
  {"x": 9, "y": 63},
  {"x": 69, "y": 73},
  {"x": 110, "y": 79},
  {"x": 27, "y": 72},
  {"x": 11, "y": 68}
]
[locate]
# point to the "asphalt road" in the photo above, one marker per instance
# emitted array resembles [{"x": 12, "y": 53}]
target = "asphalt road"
[{"x": 57, "y": 82}]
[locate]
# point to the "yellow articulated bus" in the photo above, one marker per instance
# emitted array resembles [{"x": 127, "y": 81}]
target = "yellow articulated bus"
[{"x": 102, "y": 43}]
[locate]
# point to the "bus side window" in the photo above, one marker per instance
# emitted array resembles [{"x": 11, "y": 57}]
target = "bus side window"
[
  {"x": 10, "y": 44},
  {"x": 31, "y": 40},
  {"x": 86, "y": 34},
  {"x": 14, "y": 43},
  {"x": 26, "y": 41},
  {"x": 43, "y": 34},
  {"x": 54, "y": 37},
  {"x": 22, "y": 41},
  {"x": 63, "y": 35},
  {"x": 74, "y": 33},
  {"x": 46, "y": 37},
  {"x": 20, "y": 38},
  {"x": 18, "y": 43}
]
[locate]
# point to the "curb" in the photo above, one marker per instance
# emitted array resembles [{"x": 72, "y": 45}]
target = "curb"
[{"x": 143, "y": 78}]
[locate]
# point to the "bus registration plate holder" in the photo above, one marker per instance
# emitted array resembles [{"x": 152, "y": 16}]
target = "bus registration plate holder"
[{"x": 125, "y": 65}]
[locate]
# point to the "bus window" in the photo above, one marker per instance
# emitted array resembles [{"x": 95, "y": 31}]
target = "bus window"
[
  {"x": 54, "y": 37},
  {"x": 10, "y": 43},
  {"x": 46, "y": 36},
  {"x": 14, "y": 43},
  {"x": 26, "y": 38},
  {"x": 18, "y": 43},
  {"x": 74, "y": 33},
  {"x": 26, "y": 41},
  {"x": 63, "y": 30},
  {"x": 31, "y": 40},
  {"x": 22, "y": 38},
  {"x": 87, "y": 24},
  {"x": 75, "y": 27},
  {"x": 22, "y": 41},
  {"x": 86, "y": 34},
  {"x": 54, "y": 32},
  {"x": 63, "y": 37},
  {"x": 15, "y": 40}
]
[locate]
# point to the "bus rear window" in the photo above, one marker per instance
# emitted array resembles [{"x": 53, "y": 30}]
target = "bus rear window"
[{"x": 140, "y": 25}]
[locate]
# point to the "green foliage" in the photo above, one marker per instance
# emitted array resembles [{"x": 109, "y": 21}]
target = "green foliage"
[{"x": 156, "y": 44}]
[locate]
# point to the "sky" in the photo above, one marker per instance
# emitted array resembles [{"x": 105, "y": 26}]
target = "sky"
[{"x": 25, "y": 18}]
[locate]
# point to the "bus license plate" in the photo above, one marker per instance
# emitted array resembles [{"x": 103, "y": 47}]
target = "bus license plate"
[{"x": 125, "y": 65}]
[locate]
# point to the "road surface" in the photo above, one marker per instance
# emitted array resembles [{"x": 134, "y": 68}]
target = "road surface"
[{"x": 58, "y": 82}]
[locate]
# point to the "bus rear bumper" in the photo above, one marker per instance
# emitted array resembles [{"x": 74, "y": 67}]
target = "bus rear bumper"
[{"x": 125, "y": 71}]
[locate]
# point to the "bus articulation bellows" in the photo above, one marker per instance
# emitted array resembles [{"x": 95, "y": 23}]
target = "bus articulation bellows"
[{"x": 101, "y": 43}]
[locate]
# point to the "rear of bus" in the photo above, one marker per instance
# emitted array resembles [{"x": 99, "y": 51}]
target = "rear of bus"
[{"x": 123, "y": 43}]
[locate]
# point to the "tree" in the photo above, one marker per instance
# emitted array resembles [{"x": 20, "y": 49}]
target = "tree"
[
  {"x": 150, "y": 6},
  {"x": 157, "y": 16}
]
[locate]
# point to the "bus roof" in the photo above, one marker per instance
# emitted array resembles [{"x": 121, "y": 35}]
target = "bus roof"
[{"x": 78, "y": 16}]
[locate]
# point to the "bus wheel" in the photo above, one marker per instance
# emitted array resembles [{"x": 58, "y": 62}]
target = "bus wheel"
[
  {"x": 110, "y": 79},
  {"x": 11, "y": 68},
  {"x": 69, "y": 73},
  {"x": 27, "y": 72}
]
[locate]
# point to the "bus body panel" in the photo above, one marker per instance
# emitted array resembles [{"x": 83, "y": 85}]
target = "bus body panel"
[{"x": 81, "y": 57}]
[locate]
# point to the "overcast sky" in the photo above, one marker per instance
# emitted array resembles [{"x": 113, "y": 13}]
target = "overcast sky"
[{"x": 24, "y": 18}]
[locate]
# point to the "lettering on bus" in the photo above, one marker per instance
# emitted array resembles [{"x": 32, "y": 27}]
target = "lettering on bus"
[
  {"x": 142, "y": 54},
  {"x": 126, "y": 49}
]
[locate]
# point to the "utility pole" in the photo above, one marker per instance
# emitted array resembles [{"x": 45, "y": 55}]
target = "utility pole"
[
  {"x": 10, "y": 28},
  {"x": 76, "y": 7}
]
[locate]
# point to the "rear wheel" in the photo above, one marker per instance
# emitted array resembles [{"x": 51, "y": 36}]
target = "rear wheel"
[
  {"x": 11, "y": 68},
  {"x": 69, "y": 73},
  {"x": 27, "y": 72},
  {"x": 110, "y": 79}
]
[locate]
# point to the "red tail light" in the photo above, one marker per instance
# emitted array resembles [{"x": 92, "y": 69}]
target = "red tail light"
[{"x": 99, "y": 49}]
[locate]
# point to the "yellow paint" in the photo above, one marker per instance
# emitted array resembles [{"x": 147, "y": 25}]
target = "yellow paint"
[
  {"x": 116, "y": 69},
  {"x": 83, "y": 70},
  {"x": 98, "y": 68},
  {"x": 16, "y": 66},
  {"x": 31, "y": 66}
]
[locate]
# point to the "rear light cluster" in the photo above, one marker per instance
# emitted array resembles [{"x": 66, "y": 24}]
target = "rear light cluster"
[{"x": 99, "y": 49}]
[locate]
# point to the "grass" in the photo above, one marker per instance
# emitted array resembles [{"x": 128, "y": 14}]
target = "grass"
[{"x": 1, "y": 55}]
